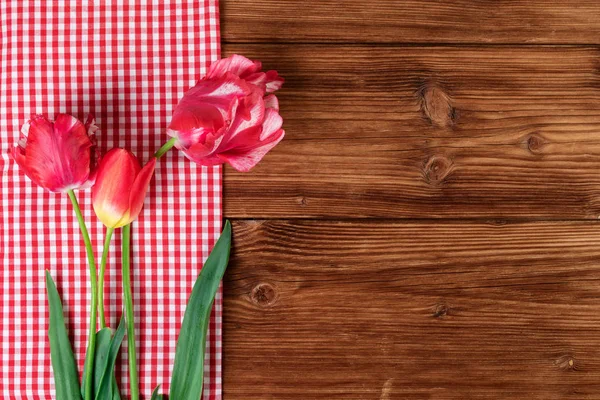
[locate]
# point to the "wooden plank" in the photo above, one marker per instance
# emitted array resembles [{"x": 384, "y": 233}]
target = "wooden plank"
[
  {"x": 411, "y": 21},
  {"x": 428, "y": 132},
  {"x": 349, "y": 310}
]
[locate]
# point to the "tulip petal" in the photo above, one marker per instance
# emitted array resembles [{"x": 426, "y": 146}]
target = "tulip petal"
[
  {"x": 139, "y": 190},
  {"x": 90, "y": 125},
  {"x": 207, "y": 107},
  {"x": 254, "y": 137},
  {"x": 110, "y": 194},
  {"x": 207, "y": 160},
  {"x": 274, "y": 82},
  {"x": 244, "y": 161},
  {"x": 271, "y": 102},
  {"x": 250, "y": 114},
  {"x": 204, "y": 154},
  {"x": 272, "y": 123},
  {"x": 258, "y": 79},
  {"x": 74, "y": 144},
  {"x": 236, "y": 64}
]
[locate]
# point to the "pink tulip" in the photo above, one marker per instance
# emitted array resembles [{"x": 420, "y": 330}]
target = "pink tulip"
[
  {"x": 226, "y": 116},
  {"x": 120, "y": 188},
  {"x": 56, "y": 155}
]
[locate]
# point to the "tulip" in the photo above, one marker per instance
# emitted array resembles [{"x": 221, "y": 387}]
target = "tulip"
[
  {"x": 226, "y": 117},
  {"x": 56, "y": 155},
  {"x": 120, "y": 188},
  {"x": 118, "y": 196}
]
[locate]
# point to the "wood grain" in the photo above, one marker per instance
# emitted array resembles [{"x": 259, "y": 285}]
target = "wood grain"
[
  {"x": 465, "y": 135},
  {"x": 428, "y": 132},
  {"x": 420, "y": 310},
  {"x": 411, "y": 21}
]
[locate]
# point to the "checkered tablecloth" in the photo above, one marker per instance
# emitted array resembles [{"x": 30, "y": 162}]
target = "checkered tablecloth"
[{"x": 127, "y": 63}]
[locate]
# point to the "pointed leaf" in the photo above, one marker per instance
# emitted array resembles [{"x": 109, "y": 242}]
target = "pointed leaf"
[
  {"x": 188, "y": 369},
  {"x": 66, "y": 377},
  {"x": 106, "y": 388},
  {"x": 103, "y": 338},
  {"x": 102, "y": 347},
  {"x": 155, "y": 395}
]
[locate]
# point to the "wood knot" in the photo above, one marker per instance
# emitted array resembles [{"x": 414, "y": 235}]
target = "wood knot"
[
  {"x": 264, "y": 295},
  {"x": 302, "y": 201},
  {"x": 436, "y": 169},
  {"x": 566, "y": 362},
  {"x": 436, "y": 105},
  {"x": 440, "y": 310},
  {"x": 535, "y": 143}
]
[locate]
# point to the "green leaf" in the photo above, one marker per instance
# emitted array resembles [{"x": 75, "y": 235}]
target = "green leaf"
[
  {"x": 106, "y": 388},
  {"x": 155, "y": 395},
  {"x": 103, "y": 338},
  {"x": 104, "y": 363},
  {"x": 102, "y": 346},
  {"x": 188, "y": 369},
  {"x": 66, "y": 377}
]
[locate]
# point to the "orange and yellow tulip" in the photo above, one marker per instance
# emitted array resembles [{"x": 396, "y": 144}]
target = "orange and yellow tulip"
[{"x": 120, "y": 188}]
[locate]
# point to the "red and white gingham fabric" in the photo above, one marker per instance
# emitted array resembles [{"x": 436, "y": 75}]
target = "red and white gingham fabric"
[{"x": 127, "y": 63}]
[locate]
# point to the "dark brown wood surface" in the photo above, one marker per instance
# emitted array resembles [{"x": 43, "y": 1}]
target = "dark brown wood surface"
[
  {"x": 411, "y": 21},
  {"x": 339, "y": 309},
  {"x": 428, "y": 229},
  {"x": 429, "y": 132}
]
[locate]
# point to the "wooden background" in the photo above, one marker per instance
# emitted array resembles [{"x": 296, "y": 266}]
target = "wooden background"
[{"x": 428, "y": 229}]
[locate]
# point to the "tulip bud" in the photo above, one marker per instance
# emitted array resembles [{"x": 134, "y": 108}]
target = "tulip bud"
[{"x": 120, "y": 188}]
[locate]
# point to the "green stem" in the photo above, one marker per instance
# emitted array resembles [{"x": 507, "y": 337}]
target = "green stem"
[
  {"x": 133, "y": 378},
  {"x": 109, "y": 233},
  {"x": 89, "y": 369},
  {"x": 165, "y": 147}
]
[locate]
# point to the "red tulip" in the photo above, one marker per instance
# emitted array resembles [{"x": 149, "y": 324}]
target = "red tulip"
[
  {"x": 120, "y": 188},
  {"x": 56, "y": 155},
  {"x": 226, "y": 116}
]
